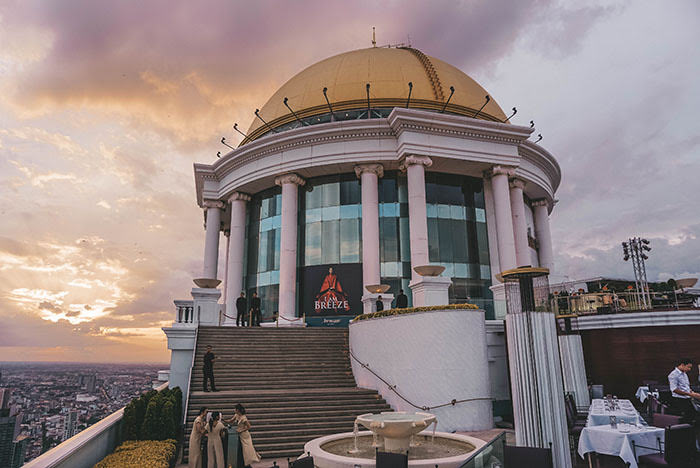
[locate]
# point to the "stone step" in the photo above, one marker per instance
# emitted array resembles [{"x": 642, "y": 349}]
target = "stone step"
[
  {"x": 328, "y": 400},
  {"x": 299, "y": 412}
]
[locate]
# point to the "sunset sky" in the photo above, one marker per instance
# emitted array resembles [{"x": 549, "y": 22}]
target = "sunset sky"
[{"x": 105, "y": 105}]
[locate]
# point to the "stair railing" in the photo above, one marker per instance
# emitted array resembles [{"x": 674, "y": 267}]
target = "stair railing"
[
  {"x": 189, "y": 380},
  {"x": 396, "y": 391}
]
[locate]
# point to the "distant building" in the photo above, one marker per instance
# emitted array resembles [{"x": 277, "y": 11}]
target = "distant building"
[
  {"x": 19, "y": 451},
  {"x": 88, "y": 382},
  {"x": 70, "y": 425},
  {"x": 5, "y": 394},
  {"x": 9, "y": 430}
]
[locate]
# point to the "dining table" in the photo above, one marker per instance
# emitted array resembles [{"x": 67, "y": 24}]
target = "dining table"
[{"x": 624, "y": 411}]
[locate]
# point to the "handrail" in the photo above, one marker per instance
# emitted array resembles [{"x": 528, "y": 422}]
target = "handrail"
[
  {"x": 189, "y": 378},
  {"x": 394, "y": 389}
]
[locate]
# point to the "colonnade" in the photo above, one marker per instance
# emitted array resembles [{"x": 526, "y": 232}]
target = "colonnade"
[{"x": 502, "y": 189}]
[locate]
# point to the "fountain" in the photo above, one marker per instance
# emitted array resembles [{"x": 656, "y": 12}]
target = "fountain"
[{"x": 393, "y": 432}]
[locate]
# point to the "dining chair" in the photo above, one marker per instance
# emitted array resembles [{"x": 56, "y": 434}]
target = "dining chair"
[
  {"x": 597, "y": 392},
  {"x": 391, "y": 460},
  {"x": 664, "y": 420},
  {"x": 678, "y": 451},
  {"x": 528, "y": 457}
]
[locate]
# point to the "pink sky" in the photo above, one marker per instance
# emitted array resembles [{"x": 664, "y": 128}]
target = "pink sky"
[{"x": 104, "y": 106}]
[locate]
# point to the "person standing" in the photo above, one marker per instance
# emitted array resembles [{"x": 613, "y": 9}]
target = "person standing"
[
  {"x": 198, "y": 430},
  {"x": 245, "y": 441},
  {"x": 681, "y": 391},
  {"x": 215, "y": 445},
  {"x": 241, "y": 307},
  {"x": 379, "y": 304},
  {"x": 255, "y": 311},
  {"x": 209, "y": 359},
  {"x": 401, "y": 300}
]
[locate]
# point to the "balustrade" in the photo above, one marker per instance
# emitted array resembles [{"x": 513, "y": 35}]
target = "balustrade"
[{"x": 184, "y": 312}]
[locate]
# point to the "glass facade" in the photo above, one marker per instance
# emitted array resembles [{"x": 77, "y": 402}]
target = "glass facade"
[
  {"x": 330, "y": 233},
  {"x": 263, "y": 252}
]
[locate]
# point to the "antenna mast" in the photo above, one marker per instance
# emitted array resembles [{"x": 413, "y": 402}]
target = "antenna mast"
[{"x": 374, "y": 38}]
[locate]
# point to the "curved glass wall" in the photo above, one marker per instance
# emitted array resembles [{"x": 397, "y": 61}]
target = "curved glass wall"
[{"x": 263, "y": 252}]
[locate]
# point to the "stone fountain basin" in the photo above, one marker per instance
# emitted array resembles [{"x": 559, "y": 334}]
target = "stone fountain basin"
[
  {"x": 324, "y": 459},
  {"x": 396, "y": 424}
]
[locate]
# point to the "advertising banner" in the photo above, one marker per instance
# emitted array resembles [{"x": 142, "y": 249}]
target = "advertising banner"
[{"x": 331, "y": 291}]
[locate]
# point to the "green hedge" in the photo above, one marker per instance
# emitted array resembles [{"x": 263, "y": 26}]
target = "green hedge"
[
  {"x": 141, "y": 454},
  {"x": 410, "y": 310},
  {"x": 153, "y": 416}
]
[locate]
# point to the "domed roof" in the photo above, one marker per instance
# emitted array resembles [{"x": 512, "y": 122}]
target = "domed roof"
[{"x": 388, "y": 71}]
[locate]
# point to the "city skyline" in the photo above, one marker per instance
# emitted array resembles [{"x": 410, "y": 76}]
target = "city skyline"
[{"x": 104, "y": 110}]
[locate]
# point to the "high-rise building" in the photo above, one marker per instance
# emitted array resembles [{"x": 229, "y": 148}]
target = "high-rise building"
[
  {"x": 70, "y": 425},
  {"x": 5, "y": 394},
  {"x": 8, "y": 433},
  {"x": 88, "y": 382},
  {"x": 19, "y": 451}
]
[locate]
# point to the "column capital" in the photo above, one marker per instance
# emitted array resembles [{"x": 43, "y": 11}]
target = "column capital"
[
  {"x": 415, "y": 159},
  {"x": 238, "y": 196},
  {"x": 212, "y": 204},
  {"x": 377, "y": 169},
  {"x": 517, "y": 183},
  {"x": 499, "y": 170},
  {"x": 290, "y": 178}
]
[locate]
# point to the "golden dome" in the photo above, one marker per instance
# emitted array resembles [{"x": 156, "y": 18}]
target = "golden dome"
[{"x": 388, "y": 71}]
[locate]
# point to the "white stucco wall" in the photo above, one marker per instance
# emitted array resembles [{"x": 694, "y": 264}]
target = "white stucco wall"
[{"x": 432, "y": 358}]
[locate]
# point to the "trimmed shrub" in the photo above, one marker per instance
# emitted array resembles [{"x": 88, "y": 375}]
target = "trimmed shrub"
[
  {"x": 158, "y": 428},
  {"x": 410, "y": 310},
  {"x": 152, "y": 428},
  {"x": 141, "y": 454},
  {"x": 168, "y": 426}
]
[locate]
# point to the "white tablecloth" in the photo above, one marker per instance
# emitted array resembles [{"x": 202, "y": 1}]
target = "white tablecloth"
[
  {"x": 643, "y": 393},
  {"x": 608, "y": 441},
  {"x": 598, "y": 415}
]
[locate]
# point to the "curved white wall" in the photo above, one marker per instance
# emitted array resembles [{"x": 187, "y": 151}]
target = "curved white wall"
[{"x": 432, "y": 358}]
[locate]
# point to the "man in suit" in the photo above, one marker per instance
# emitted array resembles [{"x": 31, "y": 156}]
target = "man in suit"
[
  {"x": 241, "y": 307},
  {"x": 255, "y": 310},
  {"x": 209, "y": 359},
  {"x": 379, "y": 304},
  {"x": 401, "y": 300}
]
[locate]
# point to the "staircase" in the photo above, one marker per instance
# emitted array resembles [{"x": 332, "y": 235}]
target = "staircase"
[{"x": 296, "y": 384}]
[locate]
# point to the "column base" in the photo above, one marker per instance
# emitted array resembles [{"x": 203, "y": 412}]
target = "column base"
[
  {"x": 430, "y": 291},
  {"x": 207, "y": 310},
  {"x": 282, "y": 323},
  {"x": 369, "y": 301},
  {"x": 499, "y": 301}
]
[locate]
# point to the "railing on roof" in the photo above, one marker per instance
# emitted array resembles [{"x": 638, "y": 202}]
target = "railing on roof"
[{"x": 610, "y": 302}]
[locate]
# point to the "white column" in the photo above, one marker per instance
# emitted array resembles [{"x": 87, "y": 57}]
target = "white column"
[
  {"x": 517, "y": 207},
  {"x": 537, "y": 390},
  {"x": 369, "y": 176},
  {"x": 417, "y": 215},
  {"x": 491, "y": 229},
  {"x": 288, "y": 249},
  {"x": 504, "y": 219},
  {"x": 234, "y": 279},
  {"x": 544, "y": 236},
  {"x": 211, "y": 240},
  {"x": 227, "y": 235}
]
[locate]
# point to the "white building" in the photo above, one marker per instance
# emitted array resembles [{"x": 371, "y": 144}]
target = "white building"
[{"x": 373, "y": 162}]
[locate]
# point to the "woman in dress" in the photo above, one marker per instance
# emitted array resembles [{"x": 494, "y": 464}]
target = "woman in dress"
[
  {"x": 198, "y": 430},
  {"x": 215, "y": 445},
  {"x": 245, "y": 442}
]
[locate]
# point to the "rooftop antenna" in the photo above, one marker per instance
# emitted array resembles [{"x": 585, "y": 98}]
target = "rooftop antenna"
[
  {"x": 223, "y": 142},
  {"x": 374, "y": 38},
  {"x": 294, "y": 113},
  {"x": 410, "y": 89},
  {"x": 515, "y": 111},
  {"x": 452, "y": 91},
  {"x": 235, "y": 127},
  {"x": 325, "y": 95},
  {"x": 257, "y": 114},
  {"x": 488, "y": 98},
  {"x": 408, "y": 36},
  {"x": 369, "y": 109},
  {"x": 539, "y": 137}
]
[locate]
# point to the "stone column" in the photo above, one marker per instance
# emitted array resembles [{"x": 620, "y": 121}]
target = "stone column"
[
  {"x": 544, "y": 237},
  {"x": 417, "y": 215},
  {"x": 211, "y": 240},
  {"x": 288, "y": 249},
  {"x": 227, "y": 235},
  {"x": 234, "y": 280},
  {"x": 369, "y": 175},
  {"x": 504, "y": 220},
  {"x": 517, "y": 207}
]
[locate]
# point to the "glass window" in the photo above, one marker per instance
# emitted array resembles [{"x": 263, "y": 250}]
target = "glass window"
[
  {"x": 460, "y": 239},
  {"x": 350, "y": 192},
  {"x": 389, "y": 239},
  {"x": 445, "y": 240},
  {"x": 330, "y": 194},
  {"x": 458, "y": 212},
  {"x": 330, "y": 242},
  {"x": 313, "y": 215},
  {"x": 443, "y": 211},
  {"x": 461, "y": 270},
  {"x": 330, "y": 213},
  {"x": 387, "y": 190},
  {"x": 480, "y": 215},
  {"x": 350, "y": 241},
  {"x": 404, "y": 236},
  {"x": 431, "y": 210},
  {"x": 433, "y": 240},
  {"x": 313, "y": 244},
  {"x": 313, "y": 197},
  {"x": 278, "y": 248},
  {"x": 262, "y": 253},
  {"x": 350, "y": 211}
]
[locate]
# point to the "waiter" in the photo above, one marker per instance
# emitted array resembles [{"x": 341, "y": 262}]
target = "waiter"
[
  {"x": 681, "y": 391},
  {"x": 209, "y": 359},
  {"x": 401, "y": 300},
  {"x": 241, "y": 307},
  {"x": 379, "y": 304}
]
